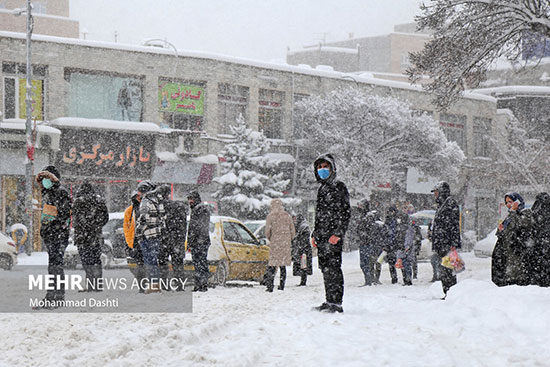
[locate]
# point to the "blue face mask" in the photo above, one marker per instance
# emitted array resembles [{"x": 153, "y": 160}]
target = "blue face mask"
[
  {"x": 323, "y": 173},
  {"x": 47, "y": 183}
]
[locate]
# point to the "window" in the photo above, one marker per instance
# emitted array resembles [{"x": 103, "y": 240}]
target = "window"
[
  {"x": 39, "y": 7},
  {"x": 230, "y": 233},
  {"x": 453, "y": 127},
  {"x": 245, "y": 236},
  {"x": 99, "y": 95},
  {"x": 182, "y": 104},
  {"x": 232, "y": 102},
  {"x": 15, "y": 90},
  {"x": 270, "y": 113},
  {"x": 482, "y": 128},
  {"x": 298, "y": 126}
]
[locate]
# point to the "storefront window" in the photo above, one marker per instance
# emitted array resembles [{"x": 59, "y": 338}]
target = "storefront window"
[
  {"x": 15, "y": 91},
  {"x": 232, "y": 102},
  {"x": 482, "y": 128},
  {"x": 270, "y": 113},
  {"x": 105, "y": 96},
  {"x": 453, "y": 127}
]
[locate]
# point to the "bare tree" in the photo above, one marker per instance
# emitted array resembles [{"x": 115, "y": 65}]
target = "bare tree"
[{"x": 471, "y": 34}]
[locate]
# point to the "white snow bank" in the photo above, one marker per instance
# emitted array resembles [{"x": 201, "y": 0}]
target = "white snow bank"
[{"x": 387, "y": 325}]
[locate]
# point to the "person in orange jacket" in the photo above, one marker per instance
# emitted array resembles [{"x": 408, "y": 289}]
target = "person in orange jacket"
[{"x": 129, "y": 226}]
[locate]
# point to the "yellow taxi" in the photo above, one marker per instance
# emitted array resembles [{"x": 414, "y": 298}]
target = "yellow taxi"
[{"x": 234, "y": 254}]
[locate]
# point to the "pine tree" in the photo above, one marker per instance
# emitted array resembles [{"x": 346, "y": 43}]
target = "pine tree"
[{"x": 249, "y": 178}]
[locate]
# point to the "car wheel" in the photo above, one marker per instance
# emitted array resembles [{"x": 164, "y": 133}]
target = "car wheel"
[
  {"x": 6, "y": 262},
  {"x": 220, "y": 277}
]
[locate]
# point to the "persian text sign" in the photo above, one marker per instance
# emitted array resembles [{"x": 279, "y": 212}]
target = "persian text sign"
[
  {"x": 177, "y": 97},
  {"x": 93, "y": 153}
]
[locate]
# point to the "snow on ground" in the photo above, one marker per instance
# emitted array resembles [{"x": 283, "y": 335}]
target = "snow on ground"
[{"x": 388, "y": 325}]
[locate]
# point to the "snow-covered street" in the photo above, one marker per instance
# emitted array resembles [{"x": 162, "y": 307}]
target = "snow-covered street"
[{"x": 388, "y": 325}]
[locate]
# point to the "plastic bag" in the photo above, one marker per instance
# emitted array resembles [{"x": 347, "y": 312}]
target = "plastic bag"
[
  {"x": 303, "y": 261},
  {"x": 453, "y": 261},
  {"x": 399, "y": 263},
  {"x": 382, "y": 257}
]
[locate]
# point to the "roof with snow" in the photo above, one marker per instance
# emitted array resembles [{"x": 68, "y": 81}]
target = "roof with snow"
[
  {"x": 236, "y": 60},
  {"x": 102, "y": 124},
  {"x": 514, "y": 89}
]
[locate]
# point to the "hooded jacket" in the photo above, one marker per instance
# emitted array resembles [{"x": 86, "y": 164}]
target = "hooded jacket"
[
  {"x": 152, "y": 215},
  {"x": 56, "y": 209},
  {"x": 198, "y": 237},
  {"x": 446, "y": 223},
  {"x": 279, "y": 230},
  {"x": 333, "y": 207},
  {"x": 90, "y": 214}
]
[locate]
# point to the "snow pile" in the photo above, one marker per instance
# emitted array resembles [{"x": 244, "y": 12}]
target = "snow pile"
[{"x": 388, "y": 325}]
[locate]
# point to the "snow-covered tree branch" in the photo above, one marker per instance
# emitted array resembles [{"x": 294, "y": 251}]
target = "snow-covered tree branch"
[
  {"x": 376, "y": 138},
  {"x": 469, "y": 35}
]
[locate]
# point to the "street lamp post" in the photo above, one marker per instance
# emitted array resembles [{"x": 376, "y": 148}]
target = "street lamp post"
[{"x": 29, "y": 136}]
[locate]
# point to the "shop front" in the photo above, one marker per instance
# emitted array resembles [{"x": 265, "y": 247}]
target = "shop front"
[{"x": 112, "y": 155}]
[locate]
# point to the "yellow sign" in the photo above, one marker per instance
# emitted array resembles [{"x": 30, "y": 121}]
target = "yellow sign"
[{"x": 37, "y": 95}]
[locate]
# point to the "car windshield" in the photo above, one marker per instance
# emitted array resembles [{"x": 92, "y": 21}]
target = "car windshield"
[{"x": 253, "y": 226}]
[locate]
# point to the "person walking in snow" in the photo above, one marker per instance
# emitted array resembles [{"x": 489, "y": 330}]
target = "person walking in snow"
[
  {"x": 445, "y": 231},
  {"x": 408, "y": 254},
  {"x": 368, "y": 237},
  {"x": 54, "y": 228},
  {"x": 331, "y": 223},
  {"x": 417, "y": 247},
  {"x": 279, "y": 231},
  {"x": 90, "y": 214},
  {"x": 396, "y": 240},
  {"x": 302, "y": 253},
  {"x": 150, "y": 228},
  {"x": 539, "y": 262},
  {"x": 198, "y": 240},
  {"x": 131, "y": 214},
  {"x": 508, "y": 261},
  {"x": 173, "y": 243}
]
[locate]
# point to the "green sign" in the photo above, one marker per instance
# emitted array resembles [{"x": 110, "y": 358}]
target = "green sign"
[{"x": 176, "y": 97}]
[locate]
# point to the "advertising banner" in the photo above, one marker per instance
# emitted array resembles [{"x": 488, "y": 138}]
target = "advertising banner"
[{"x": 177, "y": 97}]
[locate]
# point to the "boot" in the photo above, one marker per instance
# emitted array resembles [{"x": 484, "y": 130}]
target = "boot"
[
  {"x": 303, "y": 281},
  {"x": 281, "y": 286}
]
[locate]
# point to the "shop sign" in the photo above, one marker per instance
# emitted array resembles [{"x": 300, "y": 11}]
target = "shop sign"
[
  {"x": 177, "y": 97},
  {"x": 93, "y": 153}
]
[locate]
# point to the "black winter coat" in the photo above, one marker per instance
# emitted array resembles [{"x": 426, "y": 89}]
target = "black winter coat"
[
  {"x": 56, "y": 229},
  {"x": 370, "y": 233},
  {"x": 90, "y": 214},
  {"x": 176, "y": 223},
  {"x": 199, "y": 223},
  {"x": 446, "y": 227},
  {"x": 395, "y": 232}
]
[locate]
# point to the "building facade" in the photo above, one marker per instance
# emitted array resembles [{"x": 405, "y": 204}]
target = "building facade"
[{"x": 169, "y": 112}]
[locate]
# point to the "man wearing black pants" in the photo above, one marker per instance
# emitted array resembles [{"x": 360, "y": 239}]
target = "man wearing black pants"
[
  {"x": 331, "y": 222},
  {"x": 445, "y": 231},
  {"x": 198, "y": 239}
]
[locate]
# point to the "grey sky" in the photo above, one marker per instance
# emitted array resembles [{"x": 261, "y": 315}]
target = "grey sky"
[{"x": 256, "y": 29}]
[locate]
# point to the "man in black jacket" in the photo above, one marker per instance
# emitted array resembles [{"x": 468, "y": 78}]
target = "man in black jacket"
[
  {"x": 445, "y": 231},
  {"x": 90, "y": 214},
  {"x": 331, "y": 222},
  {"x": 54, "y": 229},
  {"x": 173, "y": 243},
  {"x": 198, "y": 240}
]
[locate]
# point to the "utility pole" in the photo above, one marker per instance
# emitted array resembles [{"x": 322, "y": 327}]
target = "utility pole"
[{"x": 29, "y": 175}]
